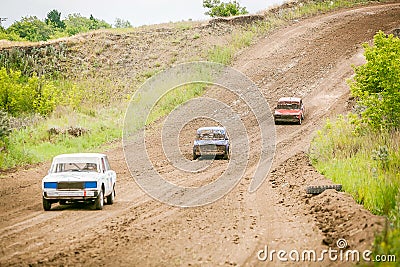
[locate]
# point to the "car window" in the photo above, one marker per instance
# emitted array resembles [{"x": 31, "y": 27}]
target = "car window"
[
  {"x": 76, "y": 167},
  {"x": 211, "y": 135},
  {"x": 288, "y": 106}
]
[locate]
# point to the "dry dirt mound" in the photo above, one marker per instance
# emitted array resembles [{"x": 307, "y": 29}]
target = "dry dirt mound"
[{"x": 335, "y": 213}]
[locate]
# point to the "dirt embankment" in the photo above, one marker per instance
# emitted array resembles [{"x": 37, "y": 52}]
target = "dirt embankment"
[{"x": 311, "y": 59}]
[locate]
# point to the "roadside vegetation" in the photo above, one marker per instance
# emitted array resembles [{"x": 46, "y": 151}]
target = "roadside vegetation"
[
  {"x": 31, "y": 28},
  {"x": 50, "y": 106},
  {"x": 216, "y": 8},
  {"x": 361, "y": 151}
]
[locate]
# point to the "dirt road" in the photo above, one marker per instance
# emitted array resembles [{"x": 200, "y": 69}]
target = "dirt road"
[{"x": 311, "y": 58}]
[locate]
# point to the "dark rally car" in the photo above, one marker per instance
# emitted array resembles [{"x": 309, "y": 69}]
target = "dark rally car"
[{"x": 211, "y": 141}]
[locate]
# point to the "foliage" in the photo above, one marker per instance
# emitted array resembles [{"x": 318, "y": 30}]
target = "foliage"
[
  {"x": 21, "y": 96},
  {"x": 221, "y": 9},
  {"x": 120, "y": 23},
  {"x": 377, "y": 83},
  {"x": 75, "y": 23},
  {"x": 31, "y": 29},
  {"x": 54, "y": 19},
  {"x": 9, "y": 36}
]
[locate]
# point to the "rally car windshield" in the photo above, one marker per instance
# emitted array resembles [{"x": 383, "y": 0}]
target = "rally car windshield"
[
  {"x": 288, "y": 106},
  {"x": 75, "y": 167},
  {"x": 211, "y": 135}
]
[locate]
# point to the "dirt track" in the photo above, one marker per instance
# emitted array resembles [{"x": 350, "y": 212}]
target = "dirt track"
[{"x": 310, "y": 58}]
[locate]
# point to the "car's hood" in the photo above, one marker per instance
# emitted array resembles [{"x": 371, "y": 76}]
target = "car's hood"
[
  {"x": 287, "y": 111},
  {"x": 72, "y": 177},
  {"x": 210, "y": 142}
]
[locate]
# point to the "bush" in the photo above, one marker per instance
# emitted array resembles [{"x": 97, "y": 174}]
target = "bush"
[
  {"x": 221, "y": 9},
  {"x": 376, "y": 84},
  {"x": 75, "y": 23},
  {"x": 19, "y": 95}
]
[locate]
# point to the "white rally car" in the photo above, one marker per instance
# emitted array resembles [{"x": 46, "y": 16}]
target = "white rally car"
[{"x": 84, "y": 177}]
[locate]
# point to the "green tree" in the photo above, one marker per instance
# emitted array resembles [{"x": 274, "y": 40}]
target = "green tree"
[
  {"x": 75, "y": 23},
  {"x": 31, "y": 29},
  {"x": 221, "y": 9},
  {"x": 120, "y": 23},
  {"x": 54, "y": 19},
  {"x": 377, "y": 83}
]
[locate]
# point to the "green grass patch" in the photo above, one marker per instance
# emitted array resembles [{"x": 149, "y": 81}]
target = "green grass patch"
[
  {"x": 174, "y": 98},
  {"x": 34, "y": 143},
  {"x": 367, "y": 164}
]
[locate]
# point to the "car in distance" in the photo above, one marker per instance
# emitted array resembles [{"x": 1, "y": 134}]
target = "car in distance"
[
  {"x": 211, "y": 141},
  {"x": 81, "y": 177},
  {"x": 289, "y": 109}
]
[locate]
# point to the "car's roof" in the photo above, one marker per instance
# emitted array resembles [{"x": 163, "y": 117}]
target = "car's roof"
[
  {"x": 80, "y": 155},
  {"x": 289, "y": 99},
  {"x": 212, "y": 128}
]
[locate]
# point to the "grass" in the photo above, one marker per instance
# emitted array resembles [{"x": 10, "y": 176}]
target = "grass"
[
  {"x": 367, "y": 164},
  {"x": 34, "y": 143},
  {"x": 174, "y": 98}
]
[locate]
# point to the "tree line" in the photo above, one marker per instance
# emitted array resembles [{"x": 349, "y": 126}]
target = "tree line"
[{"x": 31, "y": 28}]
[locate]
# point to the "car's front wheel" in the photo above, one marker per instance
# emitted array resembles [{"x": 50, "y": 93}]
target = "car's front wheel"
[
  {"x": 46, "y": 204},
  {"x": 99, "y": 202}
]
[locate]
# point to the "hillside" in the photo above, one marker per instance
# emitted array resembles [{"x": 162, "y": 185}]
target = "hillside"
[{"x": 309, "y": 57}]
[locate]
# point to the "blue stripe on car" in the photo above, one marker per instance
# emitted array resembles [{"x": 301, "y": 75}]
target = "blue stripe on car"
[
  {"x": 90, "y": 185},
  {"x": 50, "y": 185}
]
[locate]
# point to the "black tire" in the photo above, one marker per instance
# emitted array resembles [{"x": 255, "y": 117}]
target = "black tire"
[
  {"x": 315, "y": 190},
  {"x": 46, "y": 204},
  {"x": 111, "y": 197},
  {"x": 99, "y": 202},
  {"x": 195, "y": 156}
]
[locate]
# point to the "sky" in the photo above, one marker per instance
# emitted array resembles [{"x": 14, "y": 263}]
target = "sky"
[{"x": 136, "y": 12}]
